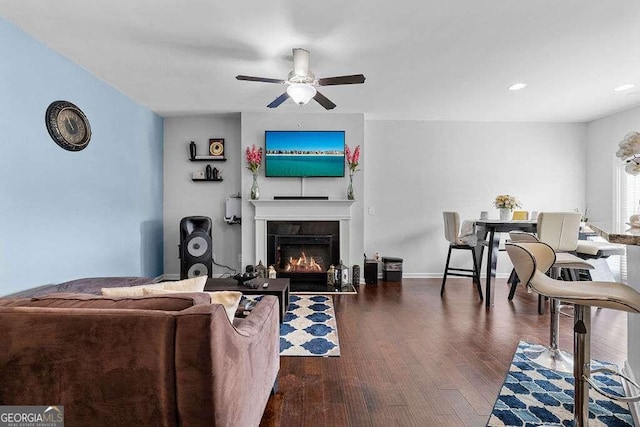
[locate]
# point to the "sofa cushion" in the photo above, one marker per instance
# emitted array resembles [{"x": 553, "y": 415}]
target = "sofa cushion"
[
  {"x": 176, "y": 302},
  {"x": 228, "y": 299},
  {"x": 195, "y": 284},
  {"x": 128, "y": 291}
]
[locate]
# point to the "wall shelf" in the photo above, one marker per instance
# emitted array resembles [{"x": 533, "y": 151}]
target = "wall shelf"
[
  {"x": 205, "y": 179},
  {"x": 208, "y": 159}
]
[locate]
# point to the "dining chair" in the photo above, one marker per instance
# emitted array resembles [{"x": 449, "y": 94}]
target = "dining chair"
[
  {"x": 531, "y": 261},
  {"x": 456, "y": 241},
  {"x": 520, "y": 215}
]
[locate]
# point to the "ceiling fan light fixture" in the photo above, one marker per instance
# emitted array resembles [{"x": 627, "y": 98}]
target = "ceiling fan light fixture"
[{"x": 301, "y": 93}]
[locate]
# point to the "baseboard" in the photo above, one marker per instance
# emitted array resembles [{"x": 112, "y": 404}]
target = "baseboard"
[
  {"x": 439, "y": 276},
  {"x": 634, "y": 407}
]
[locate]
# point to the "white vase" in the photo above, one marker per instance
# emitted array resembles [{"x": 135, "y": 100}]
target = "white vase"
[{"x": 505, "y": 214}]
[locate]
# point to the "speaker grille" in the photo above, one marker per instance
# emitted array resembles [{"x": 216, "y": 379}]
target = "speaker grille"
[
  {"x": 197, "y": 270},
  {"x": 197, "y": 246}
]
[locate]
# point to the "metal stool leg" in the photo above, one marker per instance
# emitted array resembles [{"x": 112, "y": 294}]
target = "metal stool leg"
[
  {"x": 581, "y": 367},
  {"x": 552, "y": 357}
]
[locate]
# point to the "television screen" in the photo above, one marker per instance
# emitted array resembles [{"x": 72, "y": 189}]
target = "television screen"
[{"x": 304, "y": 153}]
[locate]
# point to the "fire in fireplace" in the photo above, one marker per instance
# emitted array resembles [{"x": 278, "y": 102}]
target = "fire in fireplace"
[
  {"x": 302, "y": 254},
  {"x": 303, "y": 250},
  {"x": 302, "y": 264}
]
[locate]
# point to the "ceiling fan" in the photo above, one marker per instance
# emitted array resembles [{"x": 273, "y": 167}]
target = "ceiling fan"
[{"x": 301, "y": 82}]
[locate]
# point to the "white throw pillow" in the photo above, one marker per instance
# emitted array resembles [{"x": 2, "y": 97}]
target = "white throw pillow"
[
  {"x": 195, "y": 284},
  {"x": 228, "y": 299},
  {"x": 129, "y": 291}
]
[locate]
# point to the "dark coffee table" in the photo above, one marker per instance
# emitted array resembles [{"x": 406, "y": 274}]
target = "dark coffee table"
[{"x": 277, "y": 287}]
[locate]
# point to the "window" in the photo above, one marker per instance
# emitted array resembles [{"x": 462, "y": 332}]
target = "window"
[{"x": 627, "y": 197}]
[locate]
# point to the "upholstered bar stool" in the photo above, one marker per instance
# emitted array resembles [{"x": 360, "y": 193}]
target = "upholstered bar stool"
[
  {"x": 551, "y": 356},
  {"x": 531, "y": 261},
  {"x": 456, "y": 241}
]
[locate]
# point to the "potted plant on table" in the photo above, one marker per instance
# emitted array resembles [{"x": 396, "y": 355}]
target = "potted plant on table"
[{"x": 506, "y": 204}]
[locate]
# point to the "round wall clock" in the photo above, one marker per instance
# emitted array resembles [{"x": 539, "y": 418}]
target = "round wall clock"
[
  {"x": 68, "y": 126},
  {"x": 216, "y": 147}
]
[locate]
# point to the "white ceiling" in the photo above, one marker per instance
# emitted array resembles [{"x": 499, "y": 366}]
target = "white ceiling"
[{"x": 426, "y": 60}]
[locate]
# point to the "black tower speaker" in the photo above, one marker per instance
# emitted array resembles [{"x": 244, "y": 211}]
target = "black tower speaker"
[{"x": 195, "y": 249}]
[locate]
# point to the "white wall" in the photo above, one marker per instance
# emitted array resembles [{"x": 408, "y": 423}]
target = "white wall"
[
  {"x": 416, "y": 170},
  {"x": 603, "y": 136},
  {"x": 183, "y": 197},
  {"x": 252, "y": 132},
  {"x": 411, "y": 172}
]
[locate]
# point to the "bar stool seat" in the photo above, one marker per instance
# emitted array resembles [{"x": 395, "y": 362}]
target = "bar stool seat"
[
  {"x": 531, "y": 261},
  {"x": 593, "y": 249}
]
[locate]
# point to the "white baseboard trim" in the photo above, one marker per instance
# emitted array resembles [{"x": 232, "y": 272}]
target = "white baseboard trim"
[
  {"x": 439, "y": 276},
  {"x": 634, "y": 407}
]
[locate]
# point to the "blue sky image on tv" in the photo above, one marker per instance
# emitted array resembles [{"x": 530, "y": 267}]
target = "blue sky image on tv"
[{"x": 304, "y": 153}]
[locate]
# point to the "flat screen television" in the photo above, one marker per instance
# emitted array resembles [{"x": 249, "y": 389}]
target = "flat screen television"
[{"x": 304, "y": 153}]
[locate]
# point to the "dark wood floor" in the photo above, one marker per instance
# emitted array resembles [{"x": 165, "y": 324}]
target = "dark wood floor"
[{"x": 411, "y": 358}]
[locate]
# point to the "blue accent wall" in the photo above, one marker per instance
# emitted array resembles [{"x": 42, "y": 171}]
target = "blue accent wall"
[{"x": 66, "y": 215}]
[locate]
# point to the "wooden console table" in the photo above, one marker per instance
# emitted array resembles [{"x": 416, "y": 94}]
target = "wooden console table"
[{"x": 277, "y": 287}]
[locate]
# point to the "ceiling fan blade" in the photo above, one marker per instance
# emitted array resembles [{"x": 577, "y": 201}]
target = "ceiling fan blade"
[
  {"x": 259, "y": 79},
  {"x": 342, "y": 80},
  {"x": 324, "y": 101},
  {"x": 279, "y": 100}
]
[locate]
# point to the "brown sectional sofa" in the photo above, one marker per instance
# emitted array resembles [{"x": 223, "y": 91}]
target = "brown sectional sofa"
[{"x": 161, "y": 360}]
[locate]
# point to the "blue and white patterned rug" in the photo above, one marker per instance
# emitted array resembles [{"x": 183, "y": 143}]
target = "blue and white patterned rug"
[
  {"x": 309, "y": 327},
  {"x": 534, "y": 396}
]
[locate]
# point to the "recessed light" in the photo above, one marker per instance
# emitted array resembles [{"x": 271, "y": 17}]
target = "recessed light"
[
  {"x": 517, "y": 86},
  {"x": 623, "y": 87}
]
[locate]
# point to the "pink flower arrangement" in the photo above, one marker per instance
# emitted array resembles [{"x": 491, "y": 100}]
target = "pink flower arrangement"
[
  {"x": 352, "y": 158},
  {"x": 254, "y": 158}
]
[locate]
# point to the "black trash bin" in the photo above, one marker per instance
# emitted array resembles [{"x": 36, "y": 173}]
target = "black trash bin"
[
  {"x": 370, "y": 271},
  {"x": 391, "y": 269}
]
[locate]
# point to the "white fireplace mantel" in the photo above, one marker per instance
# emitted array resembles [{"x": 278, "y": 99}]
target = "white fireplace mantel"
[{"x": 302, "y": 210}]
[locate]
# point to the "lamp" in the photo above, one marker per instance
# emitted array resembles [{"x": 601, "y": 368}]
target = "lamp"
[{"x": 301, "y": 93}]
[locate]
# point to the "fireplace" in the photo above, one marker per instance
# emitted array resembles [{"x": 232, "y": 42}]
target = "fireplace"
[
  {"x": 303, "y": 251},
  {"x": 302, "y": 218}
]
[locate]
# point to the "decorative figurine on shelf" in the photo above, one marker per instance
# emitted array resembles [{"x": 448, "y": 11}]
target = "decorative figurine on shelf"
[
  {"x": 209, "y": 172},
  {"x": 192, "y": 150},
  {"x": 215, "y": 174},
  {"x": 331, "y": 276},
  {"x": 272, "y": 272},
  {"x": 261, "y": 270}
]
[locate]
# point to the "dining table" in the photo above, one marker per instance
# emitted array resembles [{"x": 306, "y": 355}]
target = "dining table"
[{"x": 488, "y": 232}]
